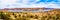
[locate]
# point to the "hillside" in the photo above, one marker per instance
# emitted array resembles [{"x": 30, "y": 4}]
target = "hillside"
[{"x": 46, "y": 15}]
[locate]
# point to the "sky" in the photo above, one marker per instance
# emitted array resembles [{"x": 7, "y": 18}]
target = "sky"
[{"x": 29, "y": 4}]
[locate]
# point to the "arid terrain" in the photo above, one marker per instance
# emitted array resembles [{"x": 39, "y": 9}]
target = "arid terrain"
[{"x": 28, "y": 15}]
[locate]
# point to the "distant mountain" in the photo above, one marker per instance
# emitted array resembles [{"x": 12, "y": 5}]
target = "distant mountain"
[{"x": 28, "y": 8}]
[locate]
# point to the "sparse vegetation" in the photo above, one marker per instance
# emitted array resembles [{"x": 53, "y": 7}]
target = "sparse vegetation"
[{"x": 51, "y": 15}]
